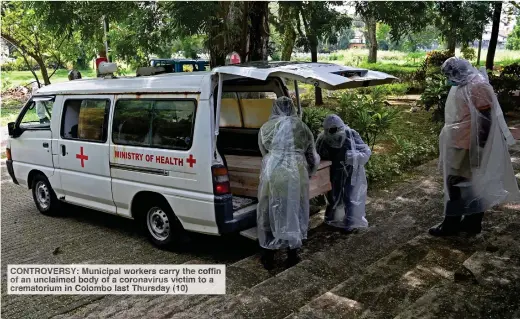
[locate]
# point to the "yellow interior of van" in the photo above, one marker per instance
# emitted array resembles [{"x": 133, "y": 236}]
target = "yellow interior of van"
[{"x": 249, "y": 113}]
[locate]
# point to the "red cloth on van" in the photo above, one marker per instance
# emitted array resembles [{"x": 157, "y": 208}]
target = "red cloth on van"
[{"x": 99, "y": 60}]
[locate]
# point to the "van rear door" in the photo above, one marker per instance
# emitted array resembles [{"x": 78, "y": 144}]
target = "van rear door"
[{"x": 324, "y": 75}]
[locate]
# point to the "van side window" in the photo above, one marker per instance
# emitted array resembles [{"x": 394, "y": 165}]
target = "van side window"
[
  {"x": 157, "y": 123},
  {"x": 38, "y": 114},
  {"x": 85, "y": 119}
]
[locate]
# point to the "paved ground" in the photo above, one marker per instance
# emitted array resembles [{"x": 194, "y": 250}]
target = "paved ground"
[{"x": 85, "y": 236}]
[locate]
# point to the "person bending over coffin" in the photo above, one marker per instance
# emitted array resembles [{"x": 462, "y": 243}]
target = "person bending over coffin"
[
  {"x": 289, "y": 159},
  {"x": 349, "y": 154}
]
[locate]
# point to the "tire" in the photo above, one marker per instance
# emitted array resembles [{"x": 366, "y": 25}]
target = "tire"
[
  {"x": 44, "y": 196},
  {"x": 162, "y": 227}
]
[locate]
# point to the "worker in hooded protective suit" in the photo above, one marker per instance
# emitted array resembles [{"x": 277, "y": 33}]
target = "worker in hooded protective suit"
[
  {"x": 349, "y": 154},
  {"x": 290, "y": 158},
  {"x": 474, "y": 156}
]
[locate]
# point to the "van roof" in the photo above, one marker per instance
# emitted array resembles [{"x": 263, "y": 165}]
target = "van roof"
[{"x": 185, "y": 82}]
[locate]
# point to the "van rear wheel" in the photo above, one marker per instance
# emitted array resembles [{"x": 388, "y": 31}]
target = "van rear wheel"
[
  {"x": 44, "y": 197},
  {"x": 164, "y": 228}
]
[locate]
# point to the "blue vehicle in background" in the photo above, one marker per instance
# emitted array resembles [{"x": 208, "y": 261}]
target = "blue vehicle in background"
[{"x": 178, "y": 65}]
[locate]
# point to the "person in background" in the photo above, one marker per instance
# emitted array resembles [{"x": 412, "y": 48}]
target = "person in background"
[
  {"x": 473, "y": 151},
  {"x": 290, "y": 159},
  {"x": 74, "y": 75},
  {"x": 349, "y": 154},
  {"x": 102, "y": 58},
  {"x": 41, "y": 112}
]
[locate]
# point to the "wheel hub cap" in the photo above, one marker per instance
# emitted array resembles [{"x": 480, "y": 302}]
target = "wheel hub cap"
[
  {"x": 43, "y": 195},
  {"x": 158, "y": 223}
]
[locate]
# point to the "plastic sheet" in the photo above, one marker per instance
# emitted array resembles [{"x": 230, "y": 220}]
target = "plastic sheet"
[
  {"x": 290, "y": 158},
  {"x": 348, "y": 153},
  {"x": 474, "y": 157}
]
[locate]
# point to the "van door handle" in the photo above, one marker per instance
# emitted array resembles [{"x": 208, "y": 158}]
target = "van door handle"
[
  {"x": 63, "y": 150},
  {"x": 45, "y": 145}
]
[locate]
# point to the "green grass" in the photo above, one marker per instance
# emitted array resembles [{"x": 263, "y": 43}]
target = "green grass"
[
  {"x": 9, "y": 111},
  {"x": 16, "y": 78}
]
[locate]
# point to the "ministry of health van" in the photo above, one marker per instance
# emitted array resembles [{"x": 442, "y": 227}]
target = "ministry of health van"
[{"x": 175, "y": 152}]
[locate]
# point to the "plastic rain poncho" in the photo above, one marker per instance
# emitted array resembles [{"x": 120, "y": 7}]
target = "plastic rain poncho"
[
  {"x": 348, "y": 154},
  {"x": 476, "y": 164},
  {"x": 290, "y": 158}
]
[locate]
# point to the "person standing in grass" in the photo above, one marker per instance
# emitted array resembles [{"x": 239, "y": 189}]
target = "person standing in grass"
[{"x": 474, "y": 156}]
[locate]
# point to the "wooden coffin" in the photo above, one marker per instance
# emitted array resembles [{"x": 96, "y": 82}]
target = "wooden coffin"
[{"x": 244, "y": 176}]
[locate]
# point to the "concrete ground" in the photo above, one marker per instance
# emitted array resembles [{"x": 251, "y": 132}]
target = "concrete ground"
[{"x": 393, "y": 269}]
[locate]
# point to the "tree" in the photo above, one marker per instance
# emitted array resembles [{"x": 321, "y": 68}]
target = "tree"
[
  {"x": 460, "y": 21},
  {"x": 190, "y": 46},
  {"x": 140, "y": 34},
  {"x": 258, "y": 30},
  {"x": 24, "y": 29},
  {"x": 345, "y": 36},
  {"x": 402, "y": 17},
  {"x": 85, "y": 17},
  {"x": 285, "y": 22},
  {"x": 497, "y": 11},
  {"x": 513, "y": 41},
  {"x": 319, "y": 21},
  {"x": 228, "y": 26}
]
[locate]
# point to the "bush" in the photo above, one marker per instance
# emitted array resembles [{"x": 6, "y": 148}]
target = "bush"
[
  {"x": 404, "y": 73},
  {"x": 381, "y": 168},
  {"x": 434, "y": 60},
  {"x": 468, "y": 53},
  {"x": 19, "y": 65},
  {"x": 6, "y": 83},
  {"x": 505, "y": 84},
  {"x": 313, "y": 117},
  {"x": 435, "y": 95},
  {"x": 413, "y": 56},
  {"x": 367, "y": 114},
  {"x": 396, "y": 89}
]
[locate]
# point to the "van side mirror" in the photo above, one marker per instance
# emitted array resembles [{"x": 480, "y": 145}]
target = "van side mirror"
[{"x": 13, "y": 131}]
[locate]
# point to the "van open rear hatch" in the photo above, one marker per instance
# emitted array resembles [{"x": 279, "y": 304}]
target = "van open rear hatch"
[{"x": 239, "y": 119}]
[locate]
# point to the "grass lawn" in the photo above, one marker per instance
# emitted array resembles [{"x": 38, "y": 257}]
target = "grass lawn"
[
  {"x": 16, "y": 78},
  {"x": 9, "y": 111}
]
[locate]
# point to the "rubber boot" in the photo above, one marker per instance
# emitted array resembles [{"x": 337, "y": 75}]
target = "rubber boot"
[
  {"x": 267, "y": 259},
  {"x": 292, "y": 257},
  {"x": 472, "y": 224},
  {"x": 449, "y": 227}
]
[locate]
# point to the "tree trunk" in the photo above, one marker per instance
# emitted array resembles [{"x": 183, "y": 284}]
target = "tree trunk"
[
  {"x": 288, "y": 32},
  {"x": 289, "y": 38},
  {"x": 479, "y": 47},
  {"x": 107, "y": 43},
  {"x": 494, "y": 36},
  {"x": 314, "y": 58},
  {"x": 259, "y": 30},
  {"x": 451, "y": 43},
  {"x": 43, "y": 69},
  {"x": 217, "y": 41},
  {"x": 30, "y": 68},
  {"x": 371, "y": 24}
]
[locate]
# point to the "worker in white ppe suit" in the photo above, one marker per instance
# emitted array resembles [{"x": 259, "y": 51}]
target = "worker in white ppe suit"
[
  {"x": 41, "y": 112},
  {"x": 289, "y": 159},
  {"x": 474, "y": 156},
  {"x": 349, "y": 154}
]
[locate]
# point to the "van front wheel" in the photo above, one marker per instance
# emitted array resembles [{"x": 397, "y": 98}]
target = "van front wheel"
[
  {"x": 163, "y": 227},
  {"x": 44, "y": 196}
]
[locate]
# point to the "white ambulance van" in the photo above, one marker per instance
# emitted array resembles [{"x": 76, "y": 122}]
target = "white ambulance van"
[{"x": 157, "y": 148}]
